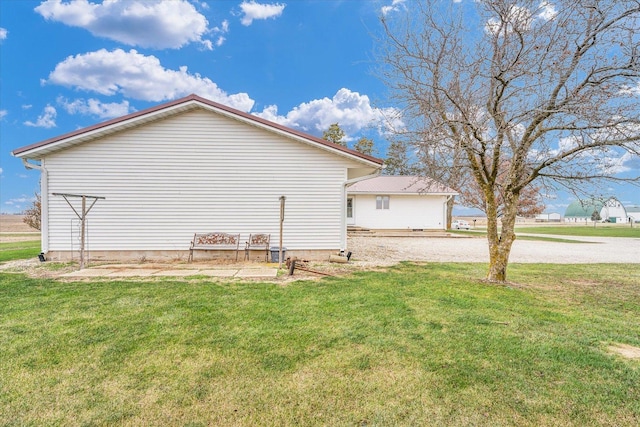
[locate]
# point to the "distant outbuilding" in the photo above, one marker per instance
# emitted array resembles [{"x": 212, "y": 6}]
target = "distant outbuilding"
[
  {"x": 633, "y": 213},
  {"x": 549, "y": 217},
  {"x": 609, "y": 210}
]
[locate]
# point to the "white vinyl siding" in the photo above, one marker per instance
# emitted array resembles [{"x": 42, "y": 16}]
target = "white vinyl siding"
[
  {"x": 197, "y": 172},
  {"x": 404, "y": 212}
]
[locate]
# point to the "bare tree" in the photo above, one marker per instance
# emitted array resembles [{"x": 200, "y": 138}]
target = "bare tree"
[
  {"x": 528, "y": 92},
  {"x": 530, "y": 201},
  {"x": 33, "y": 215}
]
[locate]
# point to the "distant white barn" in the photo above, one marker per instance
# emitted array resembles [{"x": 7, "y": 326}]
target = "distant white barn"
[
  {"x": 610, "y": 210},
  {"x": 192, "y": 165},
  {"x": 398, "y": 203}
]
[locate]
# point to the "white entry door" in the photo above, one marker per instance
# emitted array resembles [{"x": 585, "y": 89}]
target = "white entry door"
[{"x": 351, "y": 218}]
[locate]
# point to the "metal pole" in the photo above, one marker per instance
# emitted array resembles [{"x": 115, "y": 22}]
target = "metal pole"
[
  {"x": 282, "y": 199},
  {"x": 84, "y": 206},
  {"x": 82, "y": 218}
]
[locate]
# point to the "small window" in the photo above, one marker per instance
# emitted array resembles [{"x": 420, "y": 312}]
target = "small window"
[{"x": 382, "y": 202}]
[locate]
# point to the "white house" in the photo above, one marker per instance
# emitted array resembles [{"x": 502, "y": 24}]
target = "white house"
[
  {"x": 398, "y": 203},
  {"x": 192, "y": 165}
]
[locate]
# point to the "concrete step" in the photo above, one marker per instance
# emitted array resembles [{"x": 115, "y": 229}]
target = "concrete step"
[{"x": 398, "y": 233}]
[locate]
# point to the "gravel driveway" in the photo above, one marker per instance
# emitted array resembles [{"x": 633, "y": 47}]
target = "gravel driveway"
[{"x": 368, "y": 250}]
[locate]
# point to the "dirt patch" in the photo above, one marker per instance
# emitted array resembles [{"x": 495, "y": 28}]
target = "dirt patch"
[
  {"x": 624, "y": 350},
  {"x": 34, "y": 268}
]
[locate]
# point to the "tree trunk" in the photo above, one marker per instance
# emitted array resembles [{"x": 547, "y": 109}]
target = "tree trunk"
[
  {"x": 450, "y": 204},
  {"x": 500, "y": 242}
]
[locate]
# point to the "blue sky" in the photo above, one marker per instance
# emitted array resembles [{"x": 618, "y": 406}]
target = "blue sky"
[{"x": 69, "y": 64}]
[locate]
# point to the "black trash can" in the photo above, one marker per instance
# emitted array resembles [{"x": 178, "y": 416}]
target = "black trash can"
[{"x": 275, "y": 251}]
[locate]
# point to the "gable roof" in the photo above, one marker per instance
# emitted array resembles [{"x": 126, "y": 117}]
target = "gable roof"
[
  {"x": 408, "y": 185},
  {"x": 42, "y": 148}
]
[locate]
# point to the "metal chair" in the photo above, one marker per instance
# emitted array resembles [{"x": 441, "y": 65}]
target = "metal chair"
[{"x": 257, "y": 242}]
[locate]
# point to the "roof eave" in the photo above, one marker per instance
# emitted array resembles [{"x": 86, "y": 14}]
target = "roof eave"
[
  {"x": 395, "y": 193},
  {"x": 40, "y": 149}
]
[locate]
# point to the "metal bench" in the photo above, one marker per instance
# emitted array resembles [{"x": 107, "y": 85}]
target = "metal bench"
[
  {"x": 214, "y": 242},
  {"x": 258, "y": 242}
]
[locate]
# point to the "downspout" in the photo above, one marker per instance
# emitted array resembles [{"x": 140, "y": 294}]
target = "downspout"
[
  {"x": 343, "y": 220},
  {"x": 44, "y": 202}
]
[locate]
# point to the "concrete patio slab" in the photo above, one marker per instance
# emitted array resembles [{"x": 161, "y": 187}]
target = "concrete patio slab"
[
  {"x": 257, "y": 272},
  {"x": 134, "y": 272},
  {"x": 178, "y": 273},
  {"x": 218, "y": 273},
  {"x": 159, "y": 271}
]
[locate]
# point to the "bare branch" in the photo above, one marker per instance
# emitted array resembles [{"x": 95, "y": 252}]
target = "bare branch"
[{"x": 512, "y": 97}]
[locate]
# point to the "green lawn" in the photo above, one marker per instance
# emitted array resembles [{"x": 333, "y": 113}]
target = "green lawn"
[
  {"x": 483, "y": 233},
  {"x": 414, "y": 345},
  {"x": 600, "y": 230},
  {"x": 19, "y": 250}
]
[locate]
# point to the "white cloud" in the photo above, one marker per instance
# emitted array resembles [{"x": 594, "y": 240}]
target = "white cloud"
[
  {"x": 138, "y": 76},
  {"x": 222, "y": 29},
  {"x": 3, "y": 113},
  {"x": 617, "y": 165},
  {"x": 518, "y": 17},
  {"x": 521, "y": 18},
  {"x": 1, "y": 171},
  {"x": 253, "y": 11},
  {"x": 93, "y": 107},
  {"x": 148, "y": 23},
  {"x": 352, "y": 111},
  {"x": 395, "y": 6},
  {"x": 19, "y": 200},
  {"x": 3, "y": 33},
  {"x": 547, "y": 11},
  {"x": 566, "y": 144},
  {"x": 46, "y": 120}
]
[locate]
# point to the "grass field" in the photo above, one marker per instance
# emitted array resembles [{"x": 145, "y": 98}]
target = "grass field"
[
  {"x": 414, "y": 345},
  {"x": 600, "y": 230},
  {"x": 19, "y": 250},
  {"x": 483, "y": 232}
]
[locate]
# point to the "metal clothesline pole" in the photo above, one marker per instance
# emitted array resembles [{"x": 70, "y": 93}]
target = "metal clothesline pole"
[
  {"x": 82, "y": 216},
  {"x": 282, "y": 199}
]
